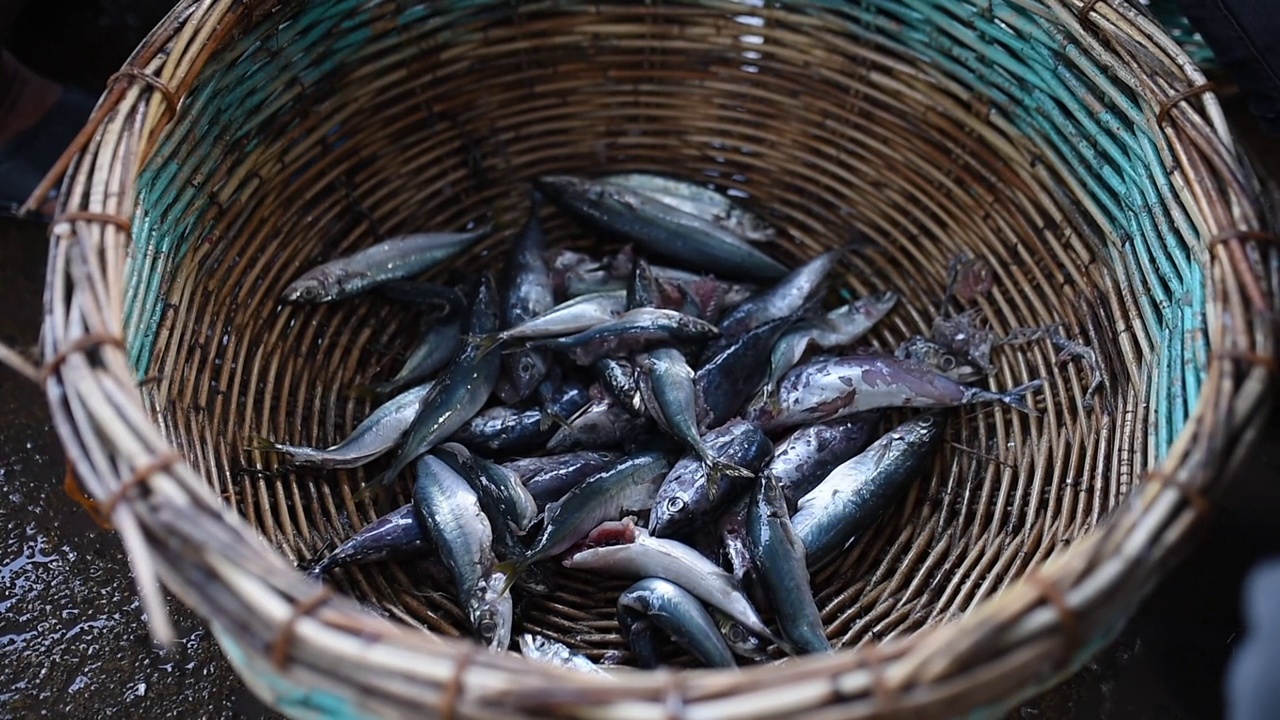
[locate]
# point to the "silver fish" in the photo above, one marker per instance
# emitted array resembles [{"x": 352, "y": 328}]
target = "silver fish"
[
  {"x": 396, "y": 534},
  {"x": 439, "y": 345},
  {"x": 642, "y": 291},
  {"x": 628, "y": 486},
  {"x": 674, "y": 285},
  {"x": 567, "y": 318},
  {"x": 660, "y": 228},
  {"x": 457, "y": 396},
  {"x": 628, "y": 333},
  {"x": 828, "y": 389},
  {"x": 655, "y": 603},
  {"x": 602, "y": 423},
  {"x": 838, "y": 328},
  {"x": 373, "y": 437},
  {"x": 506, "y": 430},
  {"x": 778, "y": 555},
  {"x": 619, "y": 377},
  {"x": 667, "y": 385},
  {"x": 392, "y": 259},
  {"x": 953, "y": 364},
  {"x": 496, "y": 486},
  {"x": 545, "y": 650},
  {"x": 529, "y": 293},
  {"x": 788, "y": 297},
  {"x": 734, "y": 374},
  {"x": 805, "y": 457},
  {"x": 641, "y": 555},
  {"x": 701, "y": 201},
  {"x": 689, "y": 497},
  {"x": 449, "y": 511},
  {"x": 549, "y": 478},
  {"x": 853, "y": 495}
]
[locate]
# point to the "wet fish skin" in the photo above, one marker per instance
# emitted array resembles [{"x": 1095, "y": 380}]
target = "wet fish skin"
[
  {"x": 546, "y": 650},
  {"x": 529, "y": 292},
  {"x": 741, "y": 641},
  {"x": 778, "y": 555},
  {"x": 788, "y": 297},
  {"x": 548, "y": 478},
  {"x": 396, "y": 534},
  {"x": 701, "y": 201},
  {"x": 676, "y": 612},
  {"x": 449, "y": 510},
  {"x": 955, "y": 365},
  {"x": 505, "y": 430},
  {"x": 667, "y": 386},
  {"x": 457, "y": 396},
  {"x": 832, "y": 388},
  {"x": 627, "y": 486},
  {"x": 573, "y": 316},
  {"x": 660, "y": 228},
  {"x": 392, "y": 259},
  {"x": 629, "y": 332},
  {"x": 640, "y": 555},
  {"x": 373, "y": 437},
  {"x": 502, "y": 495},
  {"x": 859, "y": 490},
  {"x": 602, "y": 423},
  {"x": 725, "y": 382},
  {"x": 619, "y": 377},
  {"x": 438, "y": 302},
  {"x": 687, "y": 496},
  {"x": 439, "y": 344},
  {"x": 807, "y": 455},
  {"x": 838, "y": 328},
  {"x": 642, "y": 291}
]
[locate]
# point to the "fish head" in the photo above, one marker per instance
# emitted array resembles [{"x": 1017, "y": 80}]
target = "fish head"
[
  {"x": 527, "y": 371},
  {"x": 877, "y": 305},
  {"x": 923, "y": 431},
  {"x": 566, "y": 187},
  {"x": 314, "y": 286},
  {"x": 954, "y": 365},
  {"x": 742, "y": 642},
  {"x": 673, "y": 506},
  {"x": 491, "y": 612}
]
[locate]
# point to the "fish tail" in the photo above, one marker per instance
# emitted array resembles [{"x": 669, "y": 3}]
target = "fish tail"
[
  {"x": 1016, "y": 398},
  {"x": 550, "y": 419},
  {"x": 368, "y": 391},
  {"x": 373, "y": 488},
  {"x": 485, "y": 343},
  {"x": 258, "y": 442},
  {"x": 511, "y": 569}
]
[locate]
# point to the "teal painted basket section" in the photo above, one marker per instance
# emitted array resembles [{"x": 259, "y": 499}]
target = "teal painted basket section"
[{"x": 1034, "y": 75}]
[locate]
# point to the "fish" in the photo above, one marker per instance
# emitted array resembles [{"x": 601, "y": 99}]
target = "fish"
[
  {"x": 396, "y": 534},
  {"x": 688, "y": 495},
  {"x": 602, "y": 423},
  {"x": 655, "y": 603},
  {"x": 832, "y": 388},
  {"x": 802, "y": 459},
  {"x": 963, "y": 335},
  {"x": 954, "y": 365},
  {"x": 627, "y": 486},
  {"x": 700, "y": 201},
  {"x": 393, "y": 259},
  {"x": 619, "y": 378},
  {"x": 640, "y": 555},
  {"x": 548, "y": 478},
  {"x": 642, "y": 291},
  {"x": 456, "y": 397},
  {"x": 373, "y": 437},
  {"x": 724, "y": 383},
  {"x": 506, "y": 430},
  {"x": 778, "y": 556},
  {"x": 660, "y": 228},
  {"x": 676, "y": 287},
  {"x": 741, "y": 641},
  {"x": 449, "y": 511},
  {"x": 439, "y": 344},
  {"x": 788, "y": 297},
  {"x": 436, "y": 301},
  {"x": 667, "y": 385},
  {"x": 854, "y": 494},
  {"x": 564, "y": 262},
  {"x": 529, "y": 293},
  {"x": 509, "y": 510},
  {"x": 629, "y": 332},
  {"x": 574, "y": 316},
  {"x": 545, "y": 650},
  {"x": 838, "y": 328}
]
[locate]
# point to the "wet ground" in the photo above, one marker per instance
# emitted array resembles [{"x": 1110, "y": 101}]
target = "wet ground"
[{"x": 73, "y": 643}]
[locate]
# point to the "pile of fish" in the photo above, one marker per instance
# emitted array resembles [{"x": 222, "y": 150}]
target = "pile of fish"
[{"x": 685, "y": 412}]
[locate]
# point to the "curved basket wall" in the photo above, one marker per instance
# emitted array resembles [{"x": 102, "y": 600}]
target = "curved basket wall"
[{"x": 1071, "y": 147}]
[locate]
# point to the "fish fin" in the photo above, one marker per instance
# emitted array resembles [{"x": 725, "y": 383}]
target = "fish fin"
[
  {"x": 485, "y": 343},
  {"x": 367, "y": 391},
  {"x": 511, "y": 569},
  {"x": 372, "y": 489},
  {"x": 550, "y": 418},
  {"x": 1016, "y": 399},
  {"x": 717, "y": 468},
  {"x": 258, "y": 442}
]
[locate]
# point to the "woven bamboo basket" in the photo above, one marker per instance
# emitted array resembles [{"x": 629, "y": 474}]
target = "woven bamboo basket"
[{"x": 1071, "y": 145}]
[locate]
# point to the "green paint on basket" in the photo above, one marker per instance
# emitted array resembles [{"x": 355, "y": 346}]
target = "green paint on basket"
[{"x": 278, "y": 693}]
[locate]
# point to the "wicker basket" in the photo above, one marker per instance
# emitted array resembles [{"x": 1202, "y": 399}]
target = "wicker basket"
[{"x": 1073, "y": 146}]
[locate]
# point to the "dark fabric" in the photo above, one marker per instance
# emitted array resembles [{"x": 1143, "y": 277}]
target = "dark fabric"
[
  {"x": 1245, "y": 38},
  {"x": 1253, "y": 676}
]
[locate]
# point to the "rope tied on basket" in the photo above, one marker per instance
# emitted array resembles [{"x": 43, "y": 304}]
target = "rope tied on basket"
[
  {"x": 89, "y": 216},
  {"x": 281, "y": 645},
  {"x": 453, "y": 688},
  {"x": 84, "y": 343},
  {"x": 1200, "y": 504},
  {"x": 1167, "y": 106},
  {"x": 1072, "y": 638},
  {"x": 134, "y": 73},
  {"x": 139, "y": 477}
]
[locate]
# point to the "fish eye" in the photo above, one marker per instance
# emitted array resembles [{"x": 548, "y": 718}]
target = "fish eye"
[
  {"x": 736, "y": 635},
  {"x": 601, "y": 455},
  {"x": 926, "y": 420},
  {"x": 948, "y": 362},
  {"x": 675, "y": 504},
  {"x": 488, "y": 628},
  {"x": 526, "y": 366}
]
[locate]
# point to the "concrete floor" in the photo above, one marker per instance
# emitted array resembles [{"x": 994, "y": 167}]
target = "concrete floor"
[{"x": 71, "y": 631}]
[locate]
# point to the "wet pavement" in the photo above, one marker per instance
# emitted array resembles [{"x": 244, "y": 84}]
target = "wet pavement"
[{"x": 73, "y": 642}]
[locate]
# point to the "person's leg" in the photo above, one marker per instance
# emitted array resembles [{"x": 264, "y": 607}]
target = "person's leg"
[
  {"x": 1245, "y": 38},
  {"x": 25, "y": 97}
]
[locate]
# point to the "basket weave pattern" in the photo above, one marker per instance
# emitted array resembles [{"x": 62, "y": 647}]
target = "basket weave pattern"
[{"x": 1074, "y": 148}]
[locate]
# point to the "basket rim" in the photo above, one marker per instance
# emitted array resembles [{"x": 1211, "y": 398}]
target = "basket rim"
[{"x": 1019, "y": 640}]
